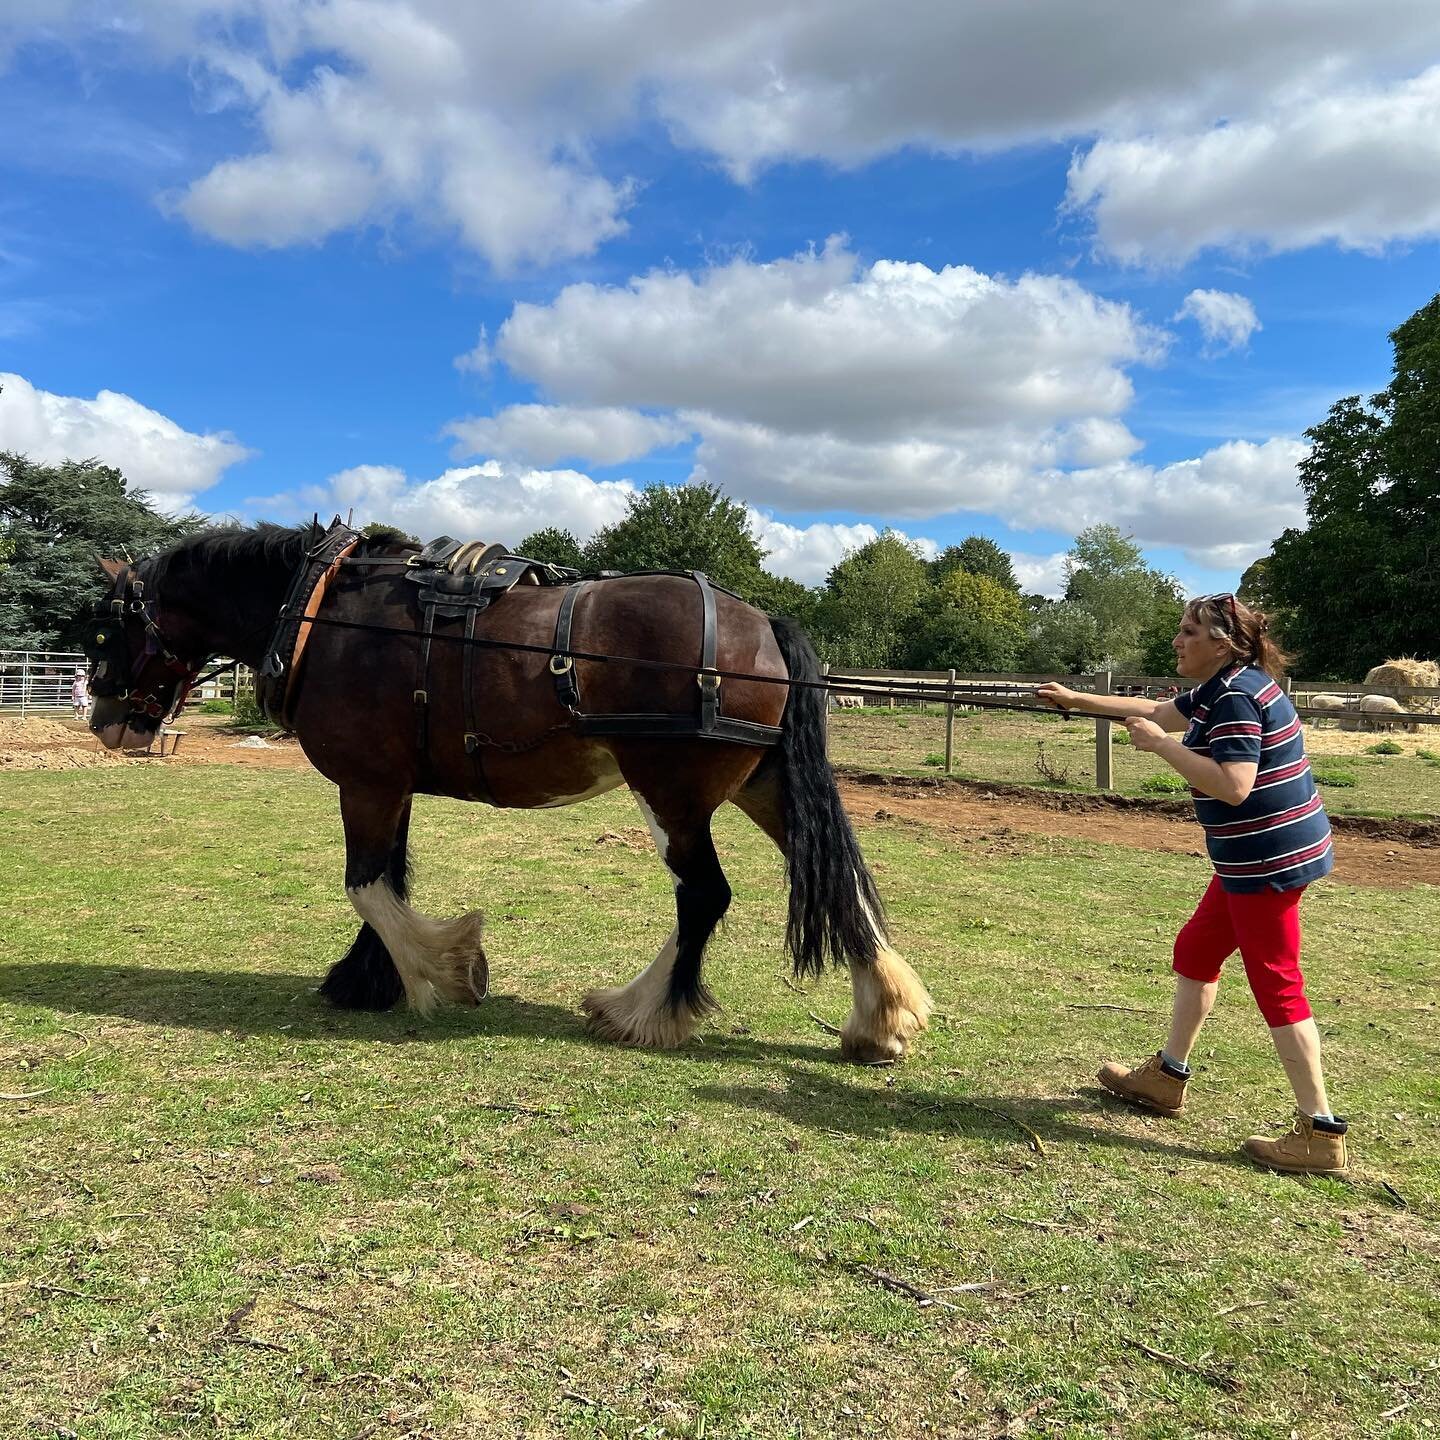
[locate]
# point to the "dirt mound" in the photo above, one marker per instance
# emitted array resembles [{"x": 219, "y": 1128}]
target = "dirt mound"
[
  {"x": 18, "y": 734},
  {"x": 60, "y": 757}
]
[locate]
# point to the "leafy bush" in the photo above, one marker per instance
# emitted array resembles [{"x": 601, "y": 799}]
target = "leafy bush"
[
  {"x": 1165, "y": 783},
  {"x": 1120, "y": 737},
  {"x": 1336, "y": 777},
  {"x": 248, "y": 714},
  {"x": 934, "y": 760},
  {"x": 215, "y": 707},
  {"x": 1385, "y": 747},
  {"x": 1427, "y": 755}
]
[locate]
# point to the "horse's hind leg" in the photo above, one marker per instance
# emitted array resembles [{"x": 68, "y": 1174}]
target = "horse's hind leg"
[
  {"x": 890, "y": 1004},
  {"x": 365, "y": 977},
  {"x": 434, "y": 958},
  {"x": 661, "y": 1005}
]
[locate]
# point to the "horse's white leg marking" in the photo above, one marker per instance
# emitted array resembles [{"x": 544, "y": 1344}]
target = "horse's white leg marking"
[
  {"x": 640, "y": 1013},
  {"x": 436, "y": 959},
  {"x": 891, "y": 1005}
]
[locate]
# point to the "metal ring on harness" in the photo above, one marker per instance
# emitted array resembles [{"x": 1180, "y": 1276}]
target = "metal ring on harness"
[{"x": 560, "y": 664}]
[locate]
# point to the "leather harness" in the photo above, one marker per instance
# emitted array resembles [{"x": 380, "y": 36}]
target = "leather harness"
[{"x": 458, "y": 580}]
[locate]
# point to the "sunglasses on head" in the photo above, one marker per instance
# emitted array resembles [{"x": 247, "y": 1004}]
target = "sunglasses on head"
[{"x": 1227, "y": 597}]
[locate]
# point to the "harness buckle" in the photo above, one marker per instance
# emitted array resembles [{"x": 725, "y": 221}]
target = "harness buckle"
[
  {"x": 422, "y": 697},
  {"x": 560, "y": 664},
  {"x": 708, "y": 676}
]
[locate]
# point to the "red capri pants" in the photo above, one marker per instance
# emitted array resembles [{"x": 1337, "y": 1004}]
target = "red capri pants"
[{"x": 1264, "y": 925}]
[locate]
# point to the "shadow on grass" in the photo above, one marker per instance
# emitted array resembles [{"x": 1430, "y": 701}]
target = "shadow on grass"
[
  {"x": 831, "y": 1104},
  {"x": 250, "y": 1003}
]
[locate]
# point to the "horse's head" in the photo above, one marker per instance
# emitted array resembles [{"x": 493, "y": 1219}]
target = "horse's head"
[{"x": 137, "y": 674}]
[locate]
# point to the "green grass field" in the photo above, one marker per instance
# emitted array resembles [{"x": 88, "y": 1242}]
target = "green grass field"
[
  {"x": 236, "y": 1212},
  {"x": 1000, "y": 746}
]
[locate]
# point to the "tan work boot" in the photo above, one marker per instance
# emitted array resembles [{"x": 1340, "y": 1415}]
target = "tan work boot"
[
  {"x": 1149, "y": 1084},
  {"x": 1306, "y": 1149}
]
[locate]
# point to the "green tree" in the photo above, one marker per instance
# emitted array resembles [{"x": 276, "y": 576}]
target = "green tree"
[
  {"x": 1361, "y": 582},
  {"x": 554, "y": 546},
  {"x": 54, "y": 521},
  {"x": 780, "y": 595},
  {"x": 1063, "y": 639},
  {"x": 685, "y": 527},
  {"x": 974, "y": 623},
  {"x": 1107, "y": 577},
  {"x": 978, "y": 555},
  {"x": 1157, "y": 635},
  {"x": 871, "y": 604}
]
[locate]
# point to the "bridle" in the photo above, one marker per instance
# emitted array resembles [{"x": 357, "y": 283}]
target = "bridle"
[{"x": 113, "y": 674}]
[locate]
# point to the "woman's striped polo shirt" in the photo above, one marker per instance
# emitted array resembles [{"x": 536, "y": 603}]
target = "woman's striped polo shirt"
[{"x": 1279, "y": 836}]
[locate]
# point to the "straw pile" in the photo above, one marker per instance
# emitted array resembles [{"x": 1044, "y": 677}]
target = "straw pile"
[{"x": 1404, "y": 674}]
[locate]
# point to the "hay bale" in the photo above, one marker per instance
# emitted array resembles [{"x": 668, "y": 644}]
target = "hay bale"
[{"x": 1405, "y": 673}]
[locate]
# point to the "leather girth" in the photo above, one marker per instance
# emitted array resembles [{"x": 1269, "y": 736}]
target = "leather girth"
[{"x": 277, "y": 679}]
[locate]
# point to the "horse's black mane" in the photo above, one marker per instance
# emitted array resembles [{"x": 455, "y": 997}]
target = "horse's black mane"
[{"x": 236, "y": 552}]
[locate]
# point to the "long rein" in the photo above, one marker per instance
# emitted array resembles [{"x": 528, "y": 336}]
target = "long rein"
[{"x": 949, "y": 694}]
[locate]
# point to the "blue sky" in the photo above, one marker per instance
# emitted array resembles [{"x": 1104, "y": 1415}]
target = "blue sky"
[{"x": 1010, "y": 271}]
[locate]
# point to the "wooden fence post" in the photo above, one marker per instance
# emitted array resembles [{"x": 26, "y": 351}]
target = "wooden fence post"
[
  {"x": 949, "y": 720},
  {"x": 1104, "y": 773},
  {"x": 825, "y": 675}
]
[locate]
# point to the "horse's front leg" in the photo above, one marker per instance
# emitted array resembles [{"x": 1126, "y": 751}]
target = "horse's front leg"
[
  {"x": 365, "y": 977},
  {"x": 435, "y": 959}
]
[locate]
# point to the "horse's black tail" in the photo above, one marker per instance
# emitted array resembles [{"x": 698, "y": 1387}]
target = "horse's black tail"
[{"x": 835, "y": 911}]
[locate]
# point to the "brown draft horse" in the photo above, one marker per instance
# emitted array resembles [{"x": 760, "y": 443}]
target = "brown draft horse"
[{"x": 219, "y": 593}]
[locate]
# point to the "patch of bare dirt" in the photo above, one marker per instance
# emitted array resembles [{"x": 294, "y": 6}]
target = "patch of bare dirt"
[
  {"x": 41, "y": 744},
  {"x": 1389, "y": 854}
]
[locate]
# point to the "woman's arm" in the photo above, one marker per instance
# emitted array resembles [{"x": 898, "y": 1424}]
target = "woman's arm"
[
  {"x": 1111, "y": 707},
  {"x": 1227, "y": 780}
]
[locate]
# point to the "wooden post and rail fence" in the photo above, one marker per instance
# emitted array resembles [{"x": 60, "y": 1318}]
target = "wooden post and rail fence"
[{"x": 951, "y": 690}]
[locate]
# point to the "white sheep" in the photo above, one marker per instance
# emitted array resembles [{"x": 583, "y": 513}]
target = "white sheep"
[
  {"x": 1374, "y": 706},
  {"x": 849, "y": 702},
  {"x": 1334, "y": 703}
]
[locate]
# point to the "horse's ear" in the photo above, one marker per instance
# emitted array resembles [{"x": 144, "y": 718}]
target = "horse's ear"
[{"x": 112, "y": 568}]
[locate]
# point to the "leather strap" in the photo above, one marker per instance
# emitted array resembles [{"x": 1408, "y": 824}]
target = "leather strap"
[
  {"x": 562, "y": 667},
  {"x": 277, "y": 678},
  {"x": 709, "y": 683}
]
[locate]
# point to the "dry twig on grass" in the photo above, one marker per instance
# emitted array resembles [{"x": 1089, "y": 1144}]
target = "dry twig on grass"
[
  {"x": 391, "y": 1421},
  {"x": 825, "y": 1025},
  {"x": 516, "y": 1109},
  {"x": 33, "y": 1094},
  {"x": 902, "y": 1287},
  {"x": 46, "y": 1288},
  {"x": 1395, "y": 1195},
  {"x": 1128, "y": 1009},
  {"x": 1218, "y": 1378},
  {"x": 1036, "y": 1144}
]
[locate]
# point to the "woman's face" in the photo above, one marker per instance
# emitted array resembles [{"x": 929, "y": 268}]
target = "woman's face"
[{"x": 1197, "y": 656}]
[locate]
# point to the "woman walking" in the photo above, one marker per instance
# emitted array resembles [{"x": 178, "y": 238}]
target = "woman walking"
[{"x": 1243, "y": 753}]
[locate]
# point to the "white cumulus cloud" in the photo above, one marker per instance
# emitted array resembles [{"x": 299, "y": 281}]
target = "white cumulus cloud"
[
  {"x": 543, "y": 434},
  {"x": 154, "y": 453},
  {"x": 491, "y": 121},
  {"x": 1357, "y": 168},
  {"x": 496, "y": 501},
  {"x": 1222, "y": 508},
  {"x": 1226, "y": 320}
]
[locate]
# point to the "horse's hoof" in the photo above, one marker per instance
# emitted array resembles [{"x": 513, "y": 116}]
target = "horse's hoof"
[{"x": 866, "y": 1050}]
